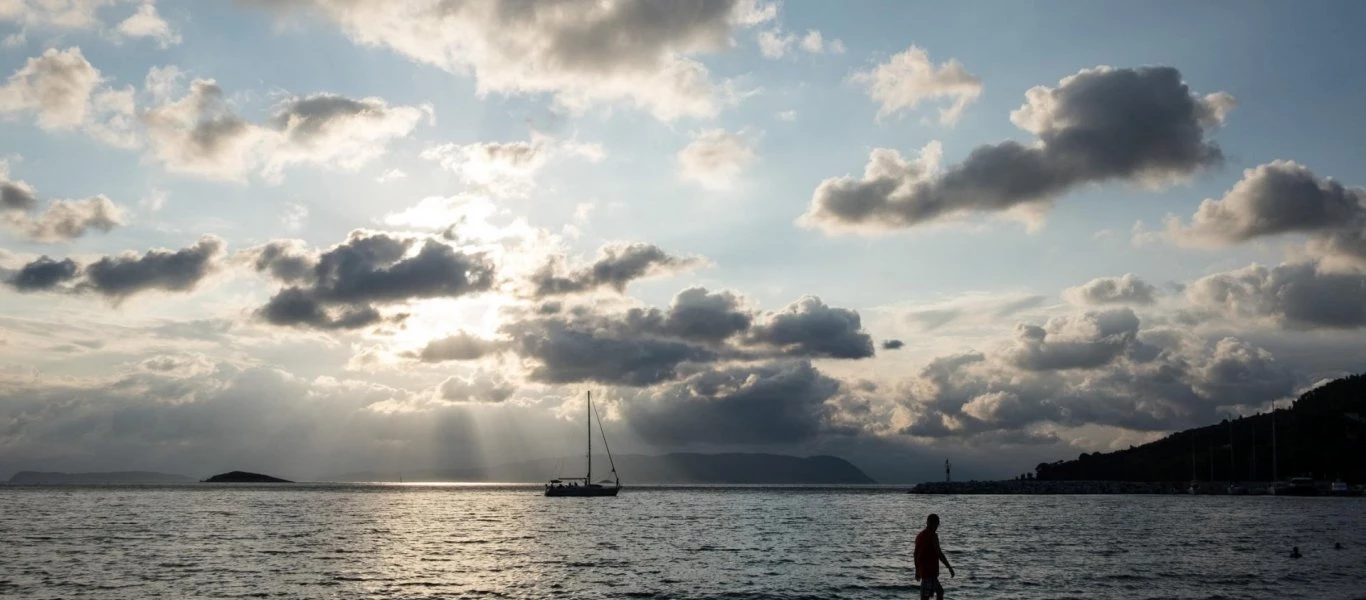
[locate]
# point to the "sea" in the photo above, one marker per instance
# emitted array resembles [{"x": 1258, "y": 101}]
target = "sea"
[{"x": 760, "y": 543}]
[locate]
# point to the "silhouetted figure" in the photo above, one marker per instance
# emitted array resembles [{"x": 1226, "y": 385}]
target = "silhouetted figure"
[
  {"x": 1295, "y": 552},
  {"x": 927, "y": 558},
  {"x": 1337, "y": 545}
]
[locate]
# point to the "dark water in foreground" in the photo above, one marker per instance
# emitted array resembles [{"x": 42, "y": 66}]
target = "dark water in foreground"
[{"x": 362, "y": 541}]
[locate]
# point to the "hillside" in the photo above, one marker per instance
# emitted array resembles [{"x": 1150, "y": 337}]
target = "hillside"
[
  {"x": 638, "y": 469},
  {"x": 1323, "y": 435}
]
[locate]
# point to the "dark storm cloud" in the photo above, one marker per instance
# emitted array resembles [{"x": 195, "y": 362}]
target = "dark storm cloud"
[
  {"x": 43, "y": 274},
  {"x": 297, "y": 307},
  {"x": 1278, "y": 198},
  {"x": 1083, "y": 341},
  {"x": 697, "y": 314},
  {"x": 1126, "y": 289},
  {"x": 645, "y": 346},
  {"x": 616, "y": 265},
  {"x": 1299, "y": 295},
  {"x": 892, "y": 344},
  {"x": 175, "y": 271},
  {"x": 1102, "y": 124},
  {"x": 617, "y": 349},
  {"x": 289, "y": 261},
  {"x": 771, "y": 403},
  {"x": 808, "y": 327},
  {"x": 338, "y": 288},
  {"x": 16, "y": 196},
  {"x": 461, "y": 346}
]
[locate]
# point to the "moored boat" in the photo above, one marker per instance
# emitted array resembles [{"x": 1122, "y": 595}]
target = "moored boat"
[{"x": 584, "y": 486}]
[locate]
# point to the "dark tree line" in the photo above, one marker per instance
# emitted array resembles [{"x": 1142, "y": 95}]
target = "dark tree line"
[{"x": 1322, "y": 435}]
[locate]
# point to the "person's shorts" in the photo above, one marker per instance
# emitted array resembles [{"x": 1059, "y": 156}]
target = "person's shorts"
[{"x": 929, "y": 586}]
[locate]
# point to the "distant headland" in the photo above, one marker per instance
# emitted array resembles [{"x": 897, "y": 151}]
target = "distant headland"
[
  {"x": 244, "y": 477},
  {"x": 1320, "y": 437}
]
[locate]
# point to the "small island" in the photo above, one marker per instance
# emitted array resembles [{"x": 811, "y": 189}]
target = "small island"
[{"x": 244, "y": 477}]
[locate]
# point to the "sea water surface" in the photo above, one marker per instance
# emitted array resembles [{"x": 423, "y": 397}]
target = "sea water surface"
[{"x": 466, "y": 541}]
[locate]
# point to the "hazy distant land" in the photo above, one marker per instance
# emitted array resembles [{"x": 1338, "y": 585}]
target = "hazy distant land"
[
  {"x": 683, "y": 468},
  {"x": 49, "y": 478}
]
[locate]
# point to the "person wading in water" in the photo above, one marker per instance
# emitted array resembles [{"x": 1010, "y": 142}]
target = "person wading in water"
[{"x": 927, "y": 558}]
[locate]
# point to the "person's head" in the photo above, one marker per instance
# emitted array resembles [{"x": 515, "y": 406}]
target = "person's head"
[{"x": 932, "y": 522}]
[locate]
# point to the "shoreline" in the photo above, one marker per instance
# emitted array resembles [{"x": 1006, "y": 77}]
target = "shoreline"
[{"x": 1035, "y": 486}]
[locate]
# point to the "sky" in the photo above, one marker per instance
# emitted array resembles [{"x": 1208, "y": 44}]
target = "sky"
[{"x": 311, "y": 237}]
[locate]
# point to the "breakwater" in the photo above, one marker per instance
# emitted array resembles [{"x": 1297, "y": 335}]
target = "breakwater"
[{"x": 1035, "y": 486}]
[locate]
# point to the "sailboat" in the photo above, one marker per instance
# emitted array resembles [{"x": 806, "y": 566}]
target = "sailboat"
[{"x": 584, "y": 486}]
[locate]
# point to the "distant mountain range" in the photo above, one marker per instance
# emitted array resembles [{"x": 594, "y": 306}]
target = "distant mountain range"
[
  {"x": 49, "y": 478},
  {"x": 1323, "y": 435},
  {"x": 683, "y": 468}
]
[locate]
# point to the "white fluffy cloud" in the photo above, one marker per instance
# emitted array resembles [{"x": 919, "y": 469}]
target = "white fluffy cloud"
[
  {"x": 774, "y": 43},
  {"x": 90, "y": 15},
  {"x": 582, "y": 52},
  {"x": 909, "y": 78},
  {"x": 1282, "y": 198},
  {"x": 147, "y": 23},
  {"x": 201, "y": 134},
  {"x": 65, "y": 92},
  {"x": 507, "y": 168},
  {"x": 716, "y": 158}
]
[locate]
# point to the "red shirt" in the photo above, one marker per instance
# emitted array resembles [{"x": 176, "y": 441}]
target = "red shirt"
[{"x": 926, "y": 555}]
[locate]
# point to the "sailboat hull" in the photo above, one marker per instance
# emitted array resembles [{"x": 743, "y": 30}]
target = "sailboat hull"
[{"x": 582, "y": 491}]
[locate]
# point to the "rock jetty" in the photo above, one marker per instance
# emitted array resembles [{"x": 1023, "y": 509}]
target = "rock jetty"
[{"x": 1034, "y": 486}]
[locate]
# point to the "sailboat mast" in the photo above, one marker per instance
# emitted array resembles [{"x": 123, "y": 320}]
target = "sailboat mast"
[{"x": 589, "y": 479}]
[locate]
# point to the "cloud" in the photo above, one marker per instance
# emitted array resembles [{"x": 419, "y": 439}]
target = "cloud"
[
  {"x": 43, "y": 274},
  {"x": 588, "y": 347},
  {"x": 200, "y": 134},
  {"x": 118, "y": 277},
  {"x": 1081, "y": 341},
  {"x": 808, "y": 327},
  {"x": 582, "y": 53},
  {"x": 773, "y": 43},
  {"x": 62, "y": 220},
  {"x": 461, "y": 346},
  {"x": 779, "y": 402},
  {"x": 893, "y": 344},
  {"x": 1126, "y": 289},
  {"x": 715, "y": 158},
  {"x": 53, "y": 14},
  {"x": 1162, "y": 380},
  {"x": 1295, "y": 295},
  {"x": 507, "y": 168},
  {"x": 481, "y": 388},
  {"x": 57, "y": 86},
  {"x": 391, "y": 175},
  {"x": 909, "y": 78},
  {"x": 1278, "y": 198},
  {"x": 67, "y": 219},
  {"x": 328, "y": 129},
  {"x": 15, "y": 195},
  {"x": 339, "y": 288},
  {"x": 147, "y": 23},
  {"x": 84, "y": 15},
  {"x": 643, "y": 346},
  {"x": 617, "y": 264},
  {"x": 1138, "y": 125}
]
